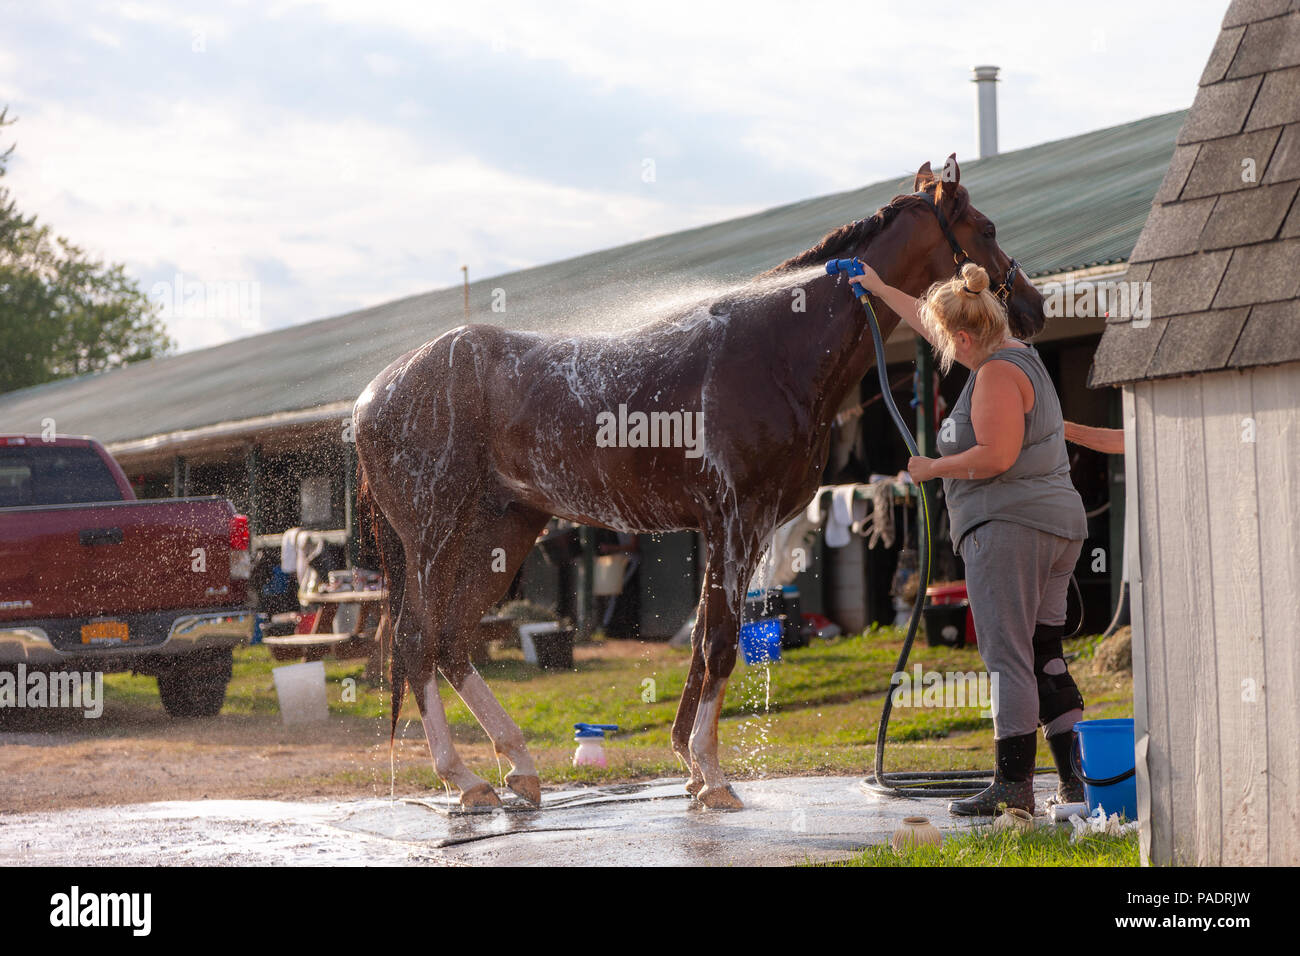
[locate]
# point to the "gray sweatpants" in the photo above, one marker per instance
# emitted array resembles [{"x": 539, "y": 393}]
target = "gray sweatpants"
[{"x": 1016, "y": 578}]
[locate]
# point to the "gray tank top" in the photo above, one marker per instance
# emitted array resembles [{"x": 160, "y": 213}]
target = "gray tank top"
[{"x": 1036, "y": 491}]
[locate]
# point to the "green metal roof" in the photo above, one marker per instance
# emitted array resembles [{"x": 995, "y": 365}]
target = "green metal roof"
[{"x": 1059, "y": 206}]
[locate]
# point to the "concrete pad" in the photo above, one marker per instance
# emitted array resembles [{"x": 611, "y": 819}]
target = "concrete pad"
[{"x": 785, "y": 821}]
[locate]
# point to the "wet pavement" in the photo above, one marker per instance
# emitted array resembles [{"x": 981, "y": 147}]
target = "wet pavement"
[{"x": 785, "y": 821}]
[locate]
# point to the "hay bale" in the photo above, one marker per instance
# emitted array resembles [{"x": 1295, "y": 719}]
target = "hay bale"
[{"x": 1114, "y": 655}]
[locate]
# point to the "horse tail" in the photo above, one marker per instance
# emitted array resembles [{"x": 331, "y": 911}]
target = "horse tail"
[{"x": 392, "y": 567}]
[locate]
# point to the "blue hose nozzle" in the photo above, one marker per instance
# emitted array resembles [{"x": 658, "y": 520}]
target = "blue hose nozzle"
[{"x": 850, "y": 267}]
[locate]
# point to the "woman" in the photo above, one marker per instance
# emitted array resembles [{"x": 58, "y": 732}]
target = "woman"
[{"x": 1016, "y": 521}]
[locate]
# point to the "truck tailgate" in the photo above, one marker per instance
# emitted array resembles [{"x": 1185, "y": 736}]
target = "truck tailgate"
[{"x": 100, "y": 560}]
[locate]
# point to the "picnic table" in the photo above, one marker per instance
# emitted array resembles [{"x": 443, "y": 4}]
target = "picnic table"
[
  {"x": 368, "y": 637},
  {"x": 362, "y": 639}
]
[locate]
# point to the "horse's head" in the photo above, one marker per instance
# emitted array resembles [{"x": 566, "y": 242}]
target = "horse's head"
[{"x": 954, "y": 222}]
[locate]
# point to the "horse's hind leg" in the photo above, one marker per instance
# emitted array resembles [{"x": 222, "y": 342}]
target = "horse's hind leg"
[
  {"x": 690, "y": 701},
  {"x": 481, "y": 565},
  {"x": 507, "y": 738},
  {"x": 474, "y": 790},
  {"x": 409, "y": 641}
]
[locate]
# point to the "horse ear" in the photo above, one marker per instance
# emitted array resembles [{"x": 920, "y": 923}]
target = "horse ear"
[
  {"x": 951, "y": 174},
  {"x": 949, "y": 178},
  {"x": 923, "y": 177}
]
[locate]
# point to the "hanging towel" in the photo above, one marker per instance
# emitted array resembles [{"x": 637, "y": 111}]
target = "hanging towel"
[
  {"x": 840, "y": 517},
  {"x": 814, "y": 512},
  {"x": 310, "y": 547},
  {"x": 289, "y": 551},
  {"x": 787, "y": 554}
]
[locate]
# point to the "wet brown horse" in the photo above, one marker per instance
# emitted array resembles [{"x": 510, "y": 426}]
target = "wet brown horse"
[{"x": 470, "y": 443}]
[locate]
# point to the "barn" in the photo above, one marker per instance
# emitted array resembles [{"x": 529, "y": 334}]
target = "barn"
[
  {"x": 261, "y": 420},
  {"x": 1211, "y": 397}
]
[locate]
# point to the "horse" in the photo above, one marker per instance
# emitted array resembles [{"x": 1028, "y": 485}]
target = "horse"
[{"x": 469, "y": 444}]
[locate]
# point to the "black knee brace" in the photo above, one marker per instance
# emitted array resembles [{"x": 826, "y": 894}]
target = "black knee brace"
[{"x": 1057, "y": 693}]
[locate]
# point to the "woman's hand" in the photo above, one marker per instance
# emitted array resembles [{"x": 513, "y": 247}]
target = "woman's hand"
[
  {"x": 904, "y": 305},
  {"x": 921, "y": 468},
  {"x": 869, "y": 280}
]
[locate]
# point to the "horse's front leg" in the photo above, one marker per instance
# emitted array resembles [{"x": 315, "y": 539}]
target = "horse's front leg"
[{"x": 721, "y": 638}]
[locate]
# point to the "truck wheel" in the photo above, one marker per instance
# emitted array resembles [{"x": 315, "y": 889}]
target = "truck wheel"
[{"x": 195, "y": 686}]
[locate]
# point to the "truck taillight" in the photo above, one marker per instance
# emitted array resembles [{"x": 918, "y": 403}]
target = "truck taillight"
[
  {"x": 241, "y": 561},
  {"x": 239, "y": 533}
]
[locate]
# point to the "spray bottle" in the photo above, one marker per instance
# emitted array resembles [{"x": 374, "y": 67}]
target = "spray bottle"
[{"x": 591, "y": 744}]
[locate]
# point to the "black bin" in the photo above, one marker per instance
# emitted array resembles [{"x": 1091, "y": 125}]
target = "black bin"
[
  {"x": 776, "y": 602},
  {"x": 945, "y": 624}
]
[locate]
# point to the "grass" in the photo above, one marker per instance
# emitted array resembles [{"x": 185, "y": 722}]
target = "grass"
[
  {"x": 1045, "y": 846},
  {"x": 815, "y": 712}
]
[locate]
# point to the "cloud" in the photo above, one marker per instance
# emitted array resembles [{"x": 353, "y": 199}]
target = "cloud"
[
  {"x": 341, "y": 154},
  {"x": 382, "y": 65},
  {"x": 342, "y": 216}
]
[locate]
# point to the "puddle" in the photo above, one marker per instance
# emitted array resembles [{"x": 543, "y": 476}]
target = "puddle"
[{"x": 785, "y": 821}]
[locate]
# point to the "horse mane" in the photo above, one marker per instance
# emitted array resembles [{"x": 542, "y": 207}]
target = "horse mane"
[{"x": 859, "y": 233}]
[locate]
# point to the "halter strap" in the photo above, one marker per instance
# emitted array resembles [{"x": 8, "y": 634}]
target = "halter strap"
[{"x": 1003, "y": 289}]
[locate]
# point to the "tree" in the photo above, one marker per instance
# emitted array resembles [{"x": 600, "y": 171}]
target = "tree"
[{"x": 62, "y": 312}]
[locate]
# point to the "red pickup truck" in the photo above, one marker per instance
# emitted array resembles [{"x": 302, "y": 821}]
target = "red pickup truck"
[{"x": 93, "y": 579}]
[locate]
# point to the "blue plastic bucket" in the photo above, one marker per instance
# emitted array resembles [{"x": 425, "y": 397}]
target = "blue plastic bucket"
[
  {"x": 761, "y": 640},
  {"x": 1106, "y": 766}
]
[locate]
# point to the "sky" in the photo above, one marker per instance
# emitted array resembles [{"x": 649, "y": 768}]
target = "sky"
[{"x": 258, "y": 165}]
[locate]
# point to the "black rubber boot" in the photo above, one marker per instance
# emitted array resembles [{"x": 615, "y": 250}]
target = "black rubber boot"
[
  {"x": 1013, "y": 780},
  {"x": 1070, "y": 789}
]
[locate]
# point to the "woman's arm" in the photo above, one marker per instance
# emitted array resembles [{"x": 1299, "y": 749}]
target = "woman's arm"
[
  {"x": 997, "y": 415},
  {"x": 904, "y": 305},
  {"x": 1108, "y": 441}
]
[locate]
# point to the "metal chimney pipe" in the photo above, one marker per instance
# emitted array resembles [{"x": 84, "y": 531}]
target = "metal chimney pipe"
[{"x": 986, "y": 108}]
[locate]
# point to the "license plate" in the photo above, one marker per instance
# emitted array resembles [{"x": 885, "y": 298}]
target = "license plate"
[{"x": 105, "y": 632}]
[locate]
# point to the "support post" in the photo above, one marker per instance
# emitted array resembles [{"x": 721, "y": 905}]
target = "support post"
[
  {"x": 350, "y": 501},
  {"x": 925, "y": 433},
  {"x": 180, "y": 476},
  {"x": 925, "y": 405},
  {"x": 586, "y": 622},
  {"x": 1115, "y": 466},
  {"x": 253, "y": 468}
]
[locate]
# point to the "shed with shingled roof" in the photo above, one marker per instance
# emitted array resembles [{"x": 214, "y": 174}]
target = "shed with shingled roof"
[{"x": 1210, "y": 374}]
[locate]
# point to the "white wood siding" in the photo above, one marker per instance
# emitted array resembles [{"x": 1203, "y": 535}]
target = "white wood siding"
[{"x": 1216, "y": 614}]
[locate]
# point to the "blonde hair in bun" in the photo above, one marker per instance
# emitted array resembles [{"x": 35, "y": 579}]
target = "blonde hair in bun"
[{"x": 964, "y": 304}]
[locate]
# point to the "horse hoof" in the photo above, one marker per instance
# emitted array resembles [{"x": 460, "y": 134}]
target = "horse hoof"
[
  {"x": 696, "y": 783},
  {"x": 527, "y": 786},
  {"x": 479, "y": 797},
  {"x": 720, "y": 798}
]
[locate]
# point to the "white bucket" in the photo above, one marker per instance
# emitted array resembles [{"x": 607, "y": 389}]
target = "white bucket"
[
  {"x": 526, "y": 632},
  {"x": 301, "y": 689},
  {"x": 609, "y": 572}
]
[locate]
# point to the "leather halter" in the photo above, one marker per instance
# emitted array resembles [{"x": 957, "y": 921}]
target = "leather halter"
[{"x": 1003, "y": 289}]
